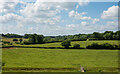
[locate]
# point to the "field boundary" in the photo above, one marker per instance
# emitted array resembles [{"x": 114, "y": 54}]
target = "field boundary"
[
  {"x": 55, "y": 47},
  {"x": 63, "y": 69}
]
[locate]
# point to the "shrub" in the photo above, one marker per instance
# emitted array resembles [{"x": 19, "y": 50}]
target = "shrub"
[
  {"x": 6, "y": 42},
  {"x": 20, "y": 40},
  {"x": 66, "y": 43},
  {"x": 10, "y": 44},
  {"x": 93, "y": 45},
  {"x": 15, "y": 39},
  {"x": 106, "y": 46},
  {"x": 76, "y": 46},
  {"x": 3, "y": 63},
  {"x": 102, "y": 46},
  {"x": 2, "y": 43}
]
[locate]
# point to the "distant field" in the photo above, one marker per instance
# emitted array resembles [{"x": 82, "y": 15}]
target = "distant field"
[
  {"x": 58, "y": 44},
  {"x": 10, "y": 39},
  {"x": 92, "y": 60},
  {"x": 82, "y": 43}
]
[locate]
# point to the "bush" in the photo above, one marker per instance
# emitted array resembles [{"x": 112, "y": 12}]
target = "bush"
[
  {"x": 3, "y": 63},
  {"x": 76, "y": 46},
  {"x": 107, "y": 46},
  {"x": 10, "y": 44},
  {"x": 66, "y": 43},
  {"x": 93, "y": 46},
  {"x": 15, "y": 39},
  {"x": 20, "y": 40},
  {"x": 102, "y": 46},
  {"x": 6, "y": 42}
]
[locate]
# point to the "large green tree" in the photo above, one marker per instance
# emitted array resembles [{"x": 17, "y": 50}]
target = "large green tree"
[{"x": 35, "y": 39}]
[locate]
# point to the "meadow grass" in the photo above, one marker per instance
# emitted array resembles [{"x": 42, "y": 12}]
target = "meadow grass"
[{"x": 59, "y": 58}]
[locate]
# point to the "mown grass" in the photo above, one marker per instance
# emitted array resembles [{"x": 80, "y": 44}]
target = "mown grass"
[{"x": 60, "y": 58}]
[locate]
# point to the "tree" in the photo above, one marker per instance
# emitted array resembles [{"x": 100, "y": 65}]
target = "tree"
[
  {"x": 76, "y": 46},
  {"x": 32, "y": 39},
  {"x": 39, "y": 39},
  {"x": 35, "y": 39},
  {"x": 96, "y": 35},
  {"x": 108, "y": 35},
  {"x": 20, "y": 40},
  {"x": 66, "y": 43}
]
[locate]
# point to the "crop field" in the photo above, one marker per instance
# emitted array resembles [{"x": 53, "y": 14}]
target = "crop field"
[{"x": 23, "y": 59}]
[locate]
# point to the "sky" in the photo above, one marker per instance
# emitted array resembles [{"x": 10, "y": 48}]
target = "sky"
[{"x": 58, "y": 18}]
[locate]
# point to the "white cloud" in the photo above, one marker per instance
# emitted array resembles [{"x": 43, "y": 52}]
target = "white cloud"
[
  {"x": 45, "y": 12},
  {"x": 7, "y": 6},
  {"x": 111, "y": 13},
  {"x": 81, "y": 16},
  {"x": 71, "y": 25},
  {"x": 10, "y": 17},
  {"x": 84, "y": 3},
  {"x": 112, "y": 23},
  {"x": 85, "y": 27},
  {"x": 95, "y": 20},
  {"x": 76, "y": 15},
  {"x": 84, "y": 23}
]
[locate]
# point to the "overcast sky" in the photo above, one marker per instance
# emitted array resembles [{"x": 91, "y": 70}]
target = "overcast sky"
[{"x": 53, "y": 18}]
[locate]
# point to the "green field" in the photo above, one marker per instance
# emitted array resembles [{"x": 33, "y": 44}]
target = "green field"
[
  {"x": 82, "y": 43},
  {"x": 60, "y": 60},
  {"x": 92, "y": 60}
]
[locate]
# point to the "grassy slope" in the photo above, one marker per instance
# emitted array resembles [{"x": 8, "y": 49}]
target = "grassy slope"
[{"x": 59, "y": 58}]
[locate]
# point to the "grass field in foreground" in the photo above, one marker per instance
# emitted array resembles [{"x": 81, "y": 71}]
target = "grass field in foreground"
[
  {"x": 60, "y": 58},
  {"x": 82, "y": 43}
]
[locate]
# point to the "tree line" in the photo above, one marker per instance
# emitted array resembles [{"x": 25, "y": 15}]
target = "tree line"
[{"x": 34, "y": 38}]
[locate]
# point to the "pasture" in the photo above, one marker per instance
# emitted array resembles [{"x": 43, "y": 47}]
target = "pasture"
[
  {"x": 59, "y": 60},
  {"x": 21, "y": 59},
  {"x": 82, "y": 43}
]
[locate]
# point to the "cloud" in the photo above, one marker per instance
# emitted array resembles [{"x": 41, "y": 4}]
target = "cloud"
[
  {"x": 10, "y": 17},
  {"x": 95, "y": 20},
  {"x": 85, "y": 27},
  {"x": 7, "y": 6},
  {"x": 81, "y": 16},
  {"x": 45, "y": 12},
  {"x": 71, "y": 25},
  {"x": 110, "y": 13},
  {"x": 84, "y": 23},
  {"x": 84, "y": 3},
  {"x": 39, "y": 14},
  {"x": 112, "y": 23},
  {"x": 76, "y": 15}
]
